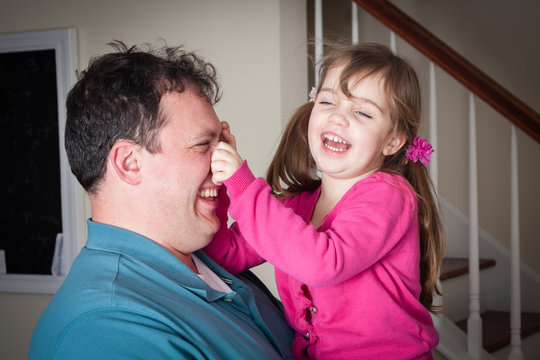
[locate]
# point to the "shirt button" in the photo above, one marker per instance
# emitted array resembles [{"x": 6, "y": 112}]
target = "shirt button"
[
  {"x": 313, "y": 309},
  {"x": 307, "y": 335},
  {"x": 227, "y": 300}
]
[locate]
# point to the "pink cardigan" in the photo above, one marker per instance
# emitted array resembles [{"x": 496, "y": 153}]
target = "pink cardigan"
[{"x": 350, "y": 288}]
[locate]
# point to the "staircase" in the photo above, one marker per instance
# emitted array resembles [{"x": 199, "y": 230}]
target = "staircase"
[
  {"x": 494, "y": 294},
  {"x": 496, "y": 328},
  {"x": 495, "y": 324}
]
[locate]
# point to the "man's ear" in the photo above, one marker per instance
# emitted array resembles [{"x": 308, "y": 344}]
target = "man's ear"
[
  {"x": 395, "y": 143},
  {"x": 125, "y": 160}
]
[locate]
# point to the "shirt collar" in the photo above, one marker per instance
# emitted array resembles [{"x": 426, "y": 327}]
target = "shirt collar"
[{"x": 132, "y": 245}]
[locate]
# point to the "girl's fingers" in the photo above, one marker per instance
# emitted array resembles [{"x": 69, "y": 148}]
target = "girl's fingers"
[
  {"x": 220, "y": 174},
  {"x": 216, "y": 180},
  {"x": 221, "y": 154},
  {"x": 225, "y": 161},
  {"x": 222, "y": 150},
  {"x": 226, "y": 134}
]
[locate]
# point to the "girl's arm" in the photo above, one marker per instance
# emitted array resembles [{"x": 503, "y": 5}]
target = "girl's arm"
[
  {"x": 228, "y": 247},
  {"x": 365, "y": 228}
]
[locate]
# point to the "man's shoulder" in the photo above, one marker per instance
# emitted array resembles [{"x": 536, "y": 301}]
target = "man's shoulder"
[
  {"x": 100, "y": 295},
  {"x": 109, "y": 327}
]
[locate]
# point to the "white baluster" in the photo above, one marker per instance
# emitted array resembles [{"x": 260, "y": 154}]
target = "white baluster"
[
  {"x": 433, "y": 165},
  {"x": 474, "y": 323},
  {"x": 393, "y": 46},
  {"x": 318, "y": 38},
  {"x": 515, "y": 293},
  {"x": 354, "y": 23}
]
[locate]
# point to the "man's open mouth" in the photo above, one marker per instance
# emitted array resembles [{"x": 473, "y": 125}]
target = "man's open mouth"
[{"x": 208, "y": 194}]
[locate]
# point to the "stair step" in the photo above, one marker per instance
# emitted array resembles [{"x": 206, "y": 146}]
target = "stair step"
[
  {"x": 454, "y": 267},
  {"x": 496, "y": 328}
]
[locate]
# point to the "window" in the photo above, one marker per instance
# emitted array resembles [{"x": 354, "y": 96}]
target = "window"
[{"x": 42, "y": 212}]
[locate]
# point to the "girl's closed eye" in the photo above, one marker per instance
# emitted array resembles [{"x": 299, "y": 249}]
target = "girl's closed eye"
[
  {"x": 325, "y": 99},
  {"x": 326, "y": 102},
  {"x": 363, "y": 114}
]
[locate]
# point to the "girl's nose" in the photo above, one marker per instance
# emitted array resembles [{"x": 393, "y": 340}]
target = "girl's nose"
[{"x": 337, "y": 117}]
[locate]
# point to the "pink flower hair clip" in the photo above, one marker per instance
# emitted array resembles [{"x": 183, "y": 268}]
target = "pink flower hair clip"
[
  {"x": 312, "y": 94},
  {"x": 420, "y": 150}
]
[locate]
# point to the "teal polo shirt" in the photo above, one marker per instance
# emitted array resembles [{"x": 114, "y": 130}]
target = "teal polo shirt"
[{"x": 126, "y": 297}]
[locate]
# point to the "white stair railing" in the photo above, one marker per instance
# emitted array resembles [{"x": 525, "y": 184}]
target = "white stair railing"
[
  {"x": 318, "y": 38},
  {"x": 354, "y": 23},
  {"x": 433, "y": 165},
  {"x": 474, "y": 323},
  {"x": 393, "y": 45},
  {"x": 515, "y": 293}
]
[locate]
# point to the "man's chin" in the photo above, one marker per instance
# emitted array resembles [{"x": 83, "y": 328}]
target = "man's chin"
[{"x": 212, "y": 225}]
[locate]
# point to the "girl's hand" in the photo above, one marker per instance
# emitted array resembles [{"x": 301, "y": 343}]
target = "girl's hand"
[
  {"x": 225, "y": 158},
  {"x": 226, "y": 135}
]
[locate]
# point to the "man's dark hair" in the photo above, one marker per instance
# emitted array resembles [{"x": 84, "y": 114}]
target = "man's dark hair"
[{"x": 118, "y": 97}]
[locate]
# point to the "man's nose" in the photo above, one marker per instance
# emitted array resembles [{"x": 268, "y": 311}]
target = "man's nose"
[{"x": 210, "y": 153}]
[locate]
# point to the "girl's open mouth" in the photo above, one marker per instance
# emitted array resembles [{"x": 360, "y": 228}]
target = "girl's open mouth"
[{"x": 335, "y": 143}]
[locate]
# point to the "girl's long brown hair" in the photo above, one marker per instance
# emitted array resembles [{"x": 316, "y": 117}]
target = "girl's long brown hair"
[{"x": 293, "y": 169}]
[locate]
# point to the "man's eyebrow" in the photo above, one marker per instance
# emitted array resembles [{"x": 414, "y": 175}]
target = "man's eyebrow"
[{"x": 206, "y": 135}]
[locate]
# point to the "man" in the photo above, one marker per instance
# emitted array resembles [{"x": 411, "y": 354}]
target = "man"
[{"x": 140, "y": 133}]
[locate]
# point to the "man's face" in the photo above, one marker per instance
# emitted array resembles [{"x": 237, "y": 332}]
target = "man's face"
[{"x": 179, "y": 176}]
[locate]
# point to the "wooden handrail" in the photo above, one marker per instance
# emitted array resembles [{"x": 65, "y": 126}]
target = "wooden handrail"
[{"x": 517, "y": 112}]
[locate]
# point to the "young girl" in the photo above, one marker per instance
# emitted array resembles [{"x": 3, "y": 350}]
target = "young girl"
[{"x": 354, "y": 235}]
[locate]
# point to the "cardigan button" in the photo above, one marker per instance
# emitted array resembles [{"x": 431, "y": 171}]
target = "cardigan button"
[
  {"x": 307, "y": 336},
  {"x": 313, "y": 309}
]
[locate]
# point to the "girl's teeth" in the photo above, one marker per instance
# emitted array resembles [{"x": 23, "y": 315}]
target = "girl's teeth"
[
  {"x": 335, "y": 143},
  {"x": 333, "y": 148},
  {"x": 335, "y": 139}
]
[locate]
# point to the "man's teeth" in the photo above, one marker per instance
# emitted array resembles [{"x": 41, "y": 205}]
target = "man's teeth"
[{"x": 208, "y": 193}]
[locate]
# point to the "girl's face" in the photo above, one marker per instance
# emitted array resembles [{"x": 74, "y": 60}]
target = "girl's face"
[{"x": 349, "y": 137}]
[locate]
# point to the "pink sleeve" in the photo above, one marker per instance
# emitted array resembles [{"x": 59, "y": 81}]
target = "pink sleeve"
[
  {"x": 228, "y": 247},
  {"x": 362, "y": 229}
]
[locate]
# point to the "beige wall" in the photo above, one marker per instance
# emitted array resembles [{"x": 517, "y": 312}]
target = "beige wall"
[{"x": 256, "y": 45}]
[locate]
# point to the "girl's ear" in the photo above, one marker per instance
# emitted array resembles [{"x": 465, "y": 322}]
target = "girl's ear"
[
  {"x": 395, "y": 143},
  {"x": 125, "y": 160}
]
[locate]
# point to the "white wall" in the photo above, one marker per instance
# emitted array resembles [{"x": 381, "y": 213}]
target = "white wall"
[{"x": 258, "y": 47}]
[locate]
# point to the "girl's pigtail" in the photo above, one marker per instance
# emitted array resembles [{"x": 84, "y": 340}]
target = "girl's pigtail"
[
  {"x": 292, "y": 169},
  {"x": 432, "y": 235}
]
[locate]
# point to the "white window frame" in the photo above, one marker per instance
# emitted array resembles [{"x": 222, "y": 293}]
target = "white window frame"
[{"x": 64, "y": 42}]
